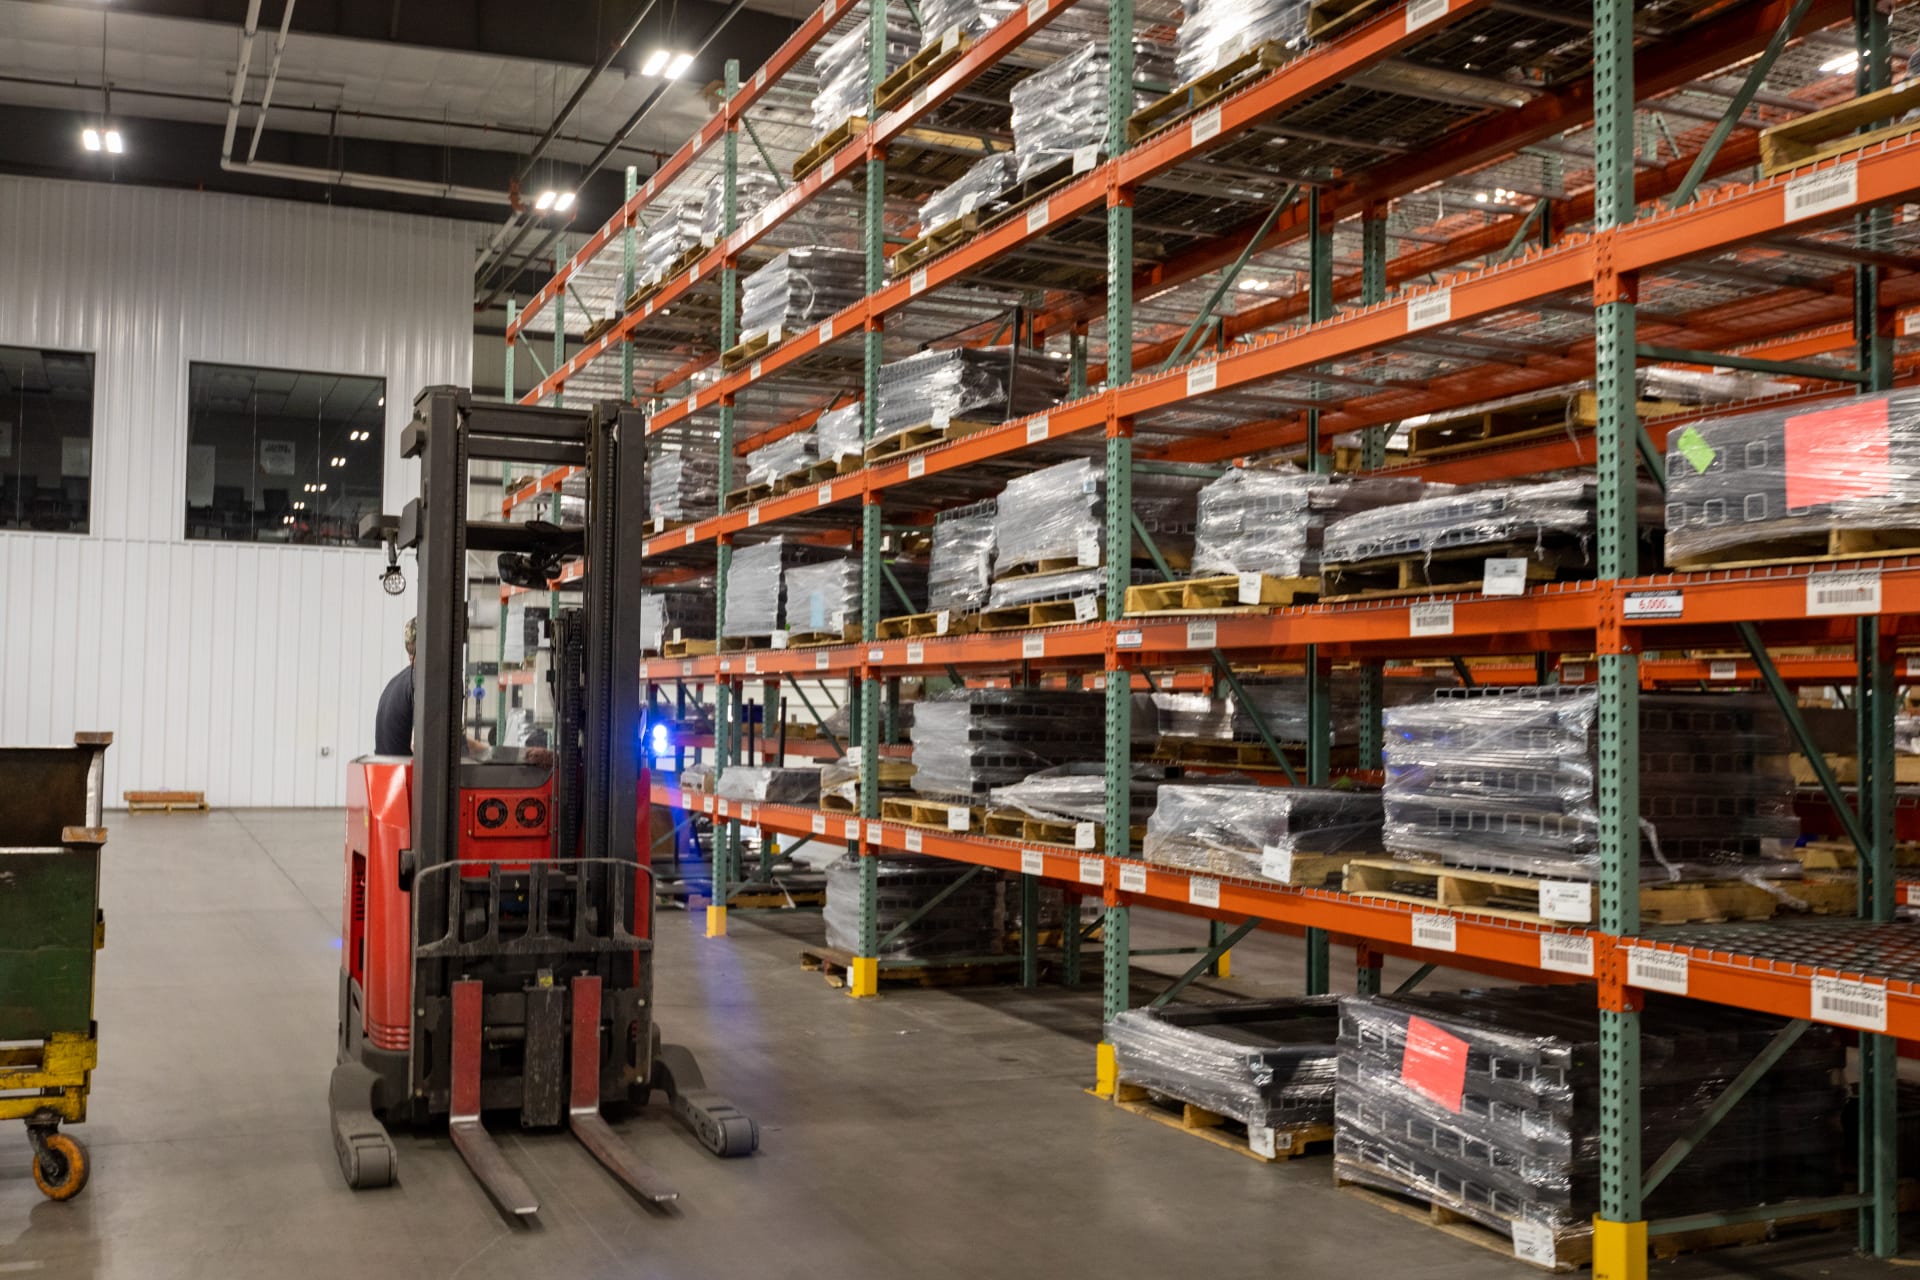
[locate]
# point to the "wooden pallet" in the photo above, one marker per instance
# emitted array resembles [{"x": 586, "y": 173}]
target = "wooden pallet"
[
  {"x": 913, "y": 626},
  {"x": 1266, "y": 1146},
  {"x": 831, "y": 141},
  {"x": 1817, "y": 547},
  {"x": 1040, "y": 613},
  {"x": 1846, "y": 769},
  {"x": 1451, "y": 569},
  {"x": 821, "y": 639},
  {"x": 747, "y": 495},
  {"x": 1325, "y": 17},
  {"x": 1086, "y": 837},
  {"x": 937, "y": 815},
  {"x": 921, "y": 68},
  {"x": 165, "y": 801},
  {"x": 1230, "y": 591},
  {"x": 1205, "y": 90},
  {"x": 938, "y": 240},
  {"x": 834, "y": 964},
  {"x": 682, "y": 264},
  {"x": 815, "y": 473},
  {"x": 1840, "y": 855},
  {"x": 688, "y": 648},
  {"x": 1236, "y": 755},
  {"x": 734, "y": 357},
  {"x": 774, "y": 899},
  {"x": 1820, "y": 135},
  {"x": 599, "y": 327},
  {"x": 924, "y": 436},
  {"x": 1037, "y": 568},
  {"x": 745, "y": 644}
]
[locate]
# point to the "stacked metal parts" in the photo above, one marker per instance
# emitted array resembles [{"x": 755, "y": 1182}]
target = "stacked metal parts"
[
  {"x": 961, "y": 573},
  {"x": 668, "y": 241},
  {"x": 1558, "y": 513},
  {"x": 675, "y": 615},
  {"x": 837, "y": 434},
  {"x": 753, "y": 190},
  {"x": 842, "y": 70},
  {"x": 966, "y": 921},
  {"x": 965, "y": 384},
  {"x": 1486, "y": 1103},
  {"x": 1047, "y": 536},
  {"x": 768, "y": 785},
  {"x": 756, "y": 586},
  {"x": 683, "y": 485},
  {"x": 798, "y": 288},
  {"x": 783, "y": 457},
  {"x": 1273, "y": 522},
  {"x": 1270, "y": 1064},
  {"x": 979, "y": 188},
  {"x": 1215, "y": 32},
  {"x": 968, "y": 741},
  {"x": 1060, "y": 114},
  {"x": 1504, "y": 780},
  {"x": 1791, "y": 473},
  {"x": 823, "y": 599},
  {"x": 1253, "y": 831},
  {"x": 1078, "y": 793},
  {"x": 1280, "y": 703}
]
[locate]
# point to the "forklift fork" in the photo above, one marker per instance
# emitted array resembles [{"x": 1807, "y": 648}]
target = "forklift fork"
[
  {"x": 476, "y": 1146},
  {"x": 583, "y": 1109}
]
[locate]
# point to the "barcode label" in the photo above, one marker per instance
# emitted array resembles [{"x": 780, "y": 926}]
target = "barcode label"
[
  {"x": 686, "y": 668},
  {"x": 693, "y": 402},
  {"x": 1854, "y": 591},
  {"x": 819, "y": 824},
  {"x": 1083, "y": 835},
  {"x": 1859, "y": 1005},
  {"x": 1430, "y": 619},
  {"x": 916, "y": 654},
  {"x": 1657, "y": 970},
  {"x": 753, "y": 515},
  {"x": 1250, "y": 584},
  {"x": 1133, "y": 878},
  {"x": 1037, "y": 430},
  {"x": 820, "y": 661},
  {"x": 916, "y": 468},
  {"x": 826, "y": 495},
  {"x": 1036, "y": 10},
  {"x": 826, "y": 171},
  {"x": 1205, "y": 125},
  {"x": 753, "y": 371},
  {"x": 1037, "y": 218},
  {"x": 876, "y": 655},
  {"x": 1202, "y": 378},
  {"x": 1203, "y": 634},
  {"x": 1532, "y": 1241},
  {"x": 1567, "y": 953},
  {"x": 1093, "y": 871},
  {"x": 688, "y": 540},
  {"x": 1033, "y": 647},
  {"x": 852, "y": 829},
  {"x": 1430, "y": 309},
  {"x": 753, "y": 664},
  {"x": 958, "y": 819},
  {"x": 1202, "y": 892},
  {"x": 1822, "y": 192},
  {"x": 721, "y": 807},
  {"x": 1569, "y": 901},
  {"x": 941, "y": 621},
  {"x": 1086, "y": 608},
  {"x": 914, "y": 841},
  {"x": 1723, "y": 670},
  {"x": 873, "y": 833},
  {"x": 1129, "y": 640},
  {"x": 1434, "y": 933},
  {"x": 1032, "y": 862},
  {"x": 1910, "y": 325},
  {"x": 746, "y": 813},
  {"x": 1277, "y": 864},
  {"x": 1653, "y": 604},
  {"x": 917, "y": 282},
  {"x": 825, "y": 331}
]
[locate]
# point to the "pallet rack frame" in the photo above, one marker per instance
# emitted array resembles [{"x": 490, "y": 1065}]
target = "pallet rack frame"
[{"x": 1599, "y": 616}]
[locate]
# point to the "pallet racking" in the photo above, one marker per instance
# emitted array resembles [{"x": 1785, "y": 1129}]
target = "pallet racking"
[{"x": 1265, "y": 273}]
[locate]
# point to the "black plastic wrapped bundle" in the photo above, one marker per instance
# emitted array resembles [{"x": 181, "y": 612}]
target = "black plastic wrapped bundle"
[
  {"x": 683, "y": 485},
  {"x": 1229, "y": 830},
  {"x": 799, "y": 288},
  {"x": 1259, "y": 521},
  {"x": 967, "y": 922},
  {"x": 978, "y": 188},
  {"x": 982, "y": 384},
  {"x": 1078, "y": 793},
  {"x": 968, "y": 741},
  {"x": 675, "y": 615},
  {"x": 1267, "y": 1063},
  {"x": 1489, "y": 516}
]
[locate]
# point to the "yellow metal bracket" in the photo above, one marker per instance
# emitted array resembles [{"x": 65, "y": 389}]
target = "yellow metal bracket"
[
  {"x": 1619, "y": 1250},
  {"x": 863, "y": 976},
  {"x": 716, "y": 922},
  {"x": 1106, "y": 1070}
]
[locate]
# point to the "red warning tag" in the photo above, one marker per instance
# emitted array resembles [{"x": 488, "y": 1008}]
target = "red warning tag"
[
  {"x": 1435, "y": 1064},
  {"x": 1838, "y": 453}
]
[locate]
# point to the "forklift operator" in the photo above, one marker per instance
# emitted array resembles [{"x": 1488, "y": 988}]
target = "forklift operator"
[{"x": 393, "y": 720}]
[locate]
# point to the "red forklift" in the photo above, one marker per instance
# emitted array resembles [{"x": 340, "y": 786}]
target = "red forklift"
[{"x": 497, "y": 951}]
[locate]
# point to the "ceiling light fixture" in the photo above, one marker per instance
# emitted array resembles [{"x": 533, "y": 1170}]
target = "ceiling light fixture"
[
  {"x": 1845, "y": 64},
  {"x": 114, "y": 145},
  {"x": 678, "y": 67},
  {"x": 546, "y": 200},
  {"x": 563, "y": 202},
  {"x": 656, "y": 62},
  {"x": 90, "y": 138}
]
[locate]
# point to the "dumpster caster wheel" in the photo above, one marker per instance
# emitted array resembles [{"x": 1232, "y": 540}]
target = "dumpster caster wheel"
[{"x": 60, "y": 1167}]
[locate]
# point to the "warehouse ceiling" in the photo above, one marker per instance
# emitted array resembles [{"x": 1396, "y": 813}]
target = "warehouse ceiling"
[{"x": 452, "y": 93}]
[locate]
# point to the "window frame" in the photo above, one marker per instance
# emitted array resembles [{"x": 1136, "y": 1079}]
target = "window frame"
[{"x": 93, "y": 436}]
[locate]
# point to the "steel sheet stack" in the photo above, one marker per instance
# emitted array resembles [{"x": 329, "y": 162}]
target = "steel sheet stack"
[
  {"x": 757, "y": 588},
  {"x": 683, "y": 485},
  {"x": 783, "y": 457},
  {"x": 675, "y": 615},
  {"x": 824, "y": 597},
  {"x": 1272, "y": 522},
  {"x": 842, "y": 70},
  {"x": 1047, "y": 535},
  {"x": 979, "y": 188},
  {"x": 1270, "y": 1064},
  {"x": 968, "y": 741},
  {"x": 1487, "y": 1103},
  {"x": 976, "y": 384},
  {"x": 753, "y": 190},
  {"x": 672, "y": 234},
  {"x": 799, "y": 288},
  {"x": 1060, "y": 114},
  {"x": 837, "y": 433}
]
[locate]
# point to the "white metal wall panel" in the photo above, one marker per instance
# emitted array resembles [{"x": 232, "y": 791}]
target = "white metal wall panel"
[{"x": 220, "y": 667}]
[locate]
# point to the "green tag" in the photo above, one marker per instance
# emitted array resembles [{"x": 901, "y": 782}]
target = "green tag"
[{"x": 1695, "y": 449}]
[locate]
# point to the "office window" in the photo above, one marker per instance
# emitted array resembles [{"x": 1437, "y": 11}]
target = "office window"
[
  {"x": 46, "y": 439},
  {"x": 276, "y": 455}
]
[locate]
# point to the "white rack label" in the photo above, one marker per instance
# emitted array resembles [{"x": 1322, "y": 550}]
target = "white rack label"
[
  {"x": 1657, "y": 970},
  {"x": 1570, "y": 901},
  {"x": 958, "y": 819},
  {"x": 1033, "y": 862},
  {"x": 914, "y": 841},
  {"x": 941, "y": 621},
  {"x": 721, "y": 807},
  {"x": 1822, "y": 192},
  {"x": 825, "y": 331},
  {"x": 1205, "y": 125},
  {"x": 826, "y": 171},
  {"x": 746, "y": 813},
  {"x": 826, "y": 495},
  {"x": 1037, "y": 430},
  {"x": 1250, "y": 588},
  {"x": 1277, "y": 864},
  {"x": 1084, "y": 158},
  {"x": 1653, "y": 604},
  {"x": 1037, "y": 218},
  {"x": 726, "y": 664},
  {"x": 1532, "y": 1241},
  {"x": 1910, "y": 324},
  {"x": 753, "y": 371},
  {"x": 1860, "y": 1005},
  {"x": 1723, "y": 669},
  {"x": 916, "y": 467},
  {"x": 917, "y": 282},
  {"x": 1430, "y": 309},
  {"x": 693, "y": 401},
  {"x": 753, "y": 515},
  {"x": 1129, "y": 640},
  {"x": 1430, "y": 619},
  {"x": 820, "y": 660},
  {"x": 1434, "y": 933},
  {"x": 1093, "y": 871},
  {"x": 1202, "y": 378},
  {"x": 1087, "y": 551},
  {"x": 1572, "y": 672},
  {"x": 1036, "y": 10},
  {"x": 876, "y": 655},
  {"x": 1083, "y": 835},
  {"x": 1911, "y": 896},
  {"x": 921, "y": 97},
  {"x": 1203, "y": 634},
  {"x": 1133, "y": 878},
  {"x": 1854, "y": 591},
  {"x": 760, "y": 79},
  {"x": 1911, "y": 667},
  {"x": 1567, "y": 953},
  {"x": 1033, "y": 647},
  {"x": 873, "y": 833},
  {"x": 1086, "y": 608},
  {"x": 688, "y": 540},
  {"x": 851, "y": 829},
  {"x": 916, "y": 654},
  {"x": 1202, "y": 892},
  {"x": 686, "y": 668},
  {"x": 753, "y": 664},
  {"x": 1504, "y": 576}
]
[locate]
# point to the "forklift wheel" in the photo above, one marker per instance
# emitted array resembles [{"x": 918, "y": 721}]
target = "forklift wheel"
[{"x": 60, "y": 1171}]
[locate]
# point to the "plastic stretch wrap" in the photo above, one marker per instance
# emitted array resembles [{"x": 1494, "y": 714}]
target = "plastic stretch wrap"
[
  {"x": 1505, "y": 780},
  {"x": 823, "y": 597},
  {"x": 842, "y": 70},
  {"x": 1226, "y": 829},
  {"x": 961, "y": 571},
  {"x": 1052, "y": 514},
  {"x": 1167, "y": 508},
  {"x": 1488, "y": 1102},
  {"x": 1560, "y": 509},
  {"x": 939, "y": 388},
  {"x": 840, "y": 781},
  {"x": 753, "y": 190},
  {"x": 756, "y": 585},
  {"x": 1273, "y": 522},
  {"x": 1282, "y": 703},
  {"x": 683, "y": 485},
  {"x": 837, "y": 433},
  {"x": 1078, "y": 793},
  {"x": 969, "y": 17},
  {"x": 980, "y": 187},
  {"x": 968, "y": 741},
  {"x": 697, "y": 778},
  {"x": 798, "y": 288},
  {"x": 1702, "y": 386},
  {"x": 672, "y": 234},
  {"x": 1778, "y": 473},
  {"x": 1032, "y": 588},
  {"x": 1266, "y": 1063},
  {"x": 675, "y": 615},
  {"x": 1215, "y": 32},
  {"x": 771, "y": 786},
  {"x": 783, "y": 457},
  {"x": 967, "y": 922},
  {"x": 1060, "y": 114},
  {"x": 1184, "y": 715}
]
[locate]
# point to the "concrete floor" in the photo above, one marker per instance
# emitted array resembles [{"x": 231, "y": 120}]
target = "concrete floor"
[{"x": 929, "y": 1134}]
